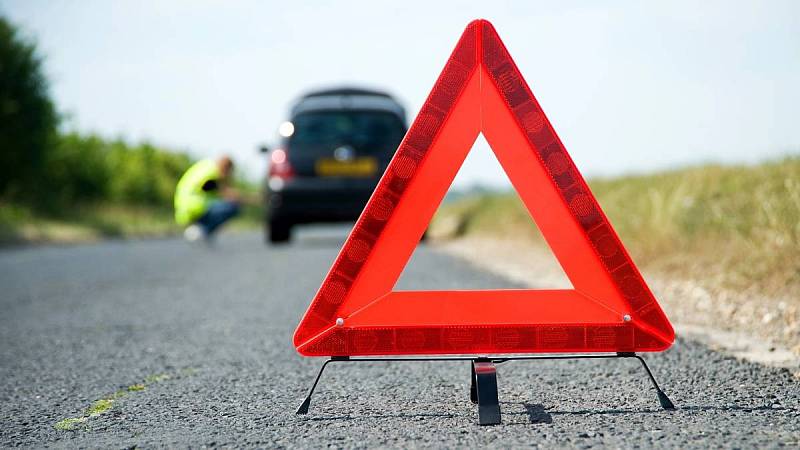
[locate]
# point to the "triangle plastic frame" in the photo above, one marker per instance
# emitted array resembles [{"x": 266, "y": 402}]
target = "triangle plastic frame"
[{"x": 357, "y": 313}]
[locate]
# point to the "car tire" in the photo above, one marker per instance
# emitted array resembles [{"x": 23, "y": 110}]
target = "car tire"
[{"x": 279, "y": 231}]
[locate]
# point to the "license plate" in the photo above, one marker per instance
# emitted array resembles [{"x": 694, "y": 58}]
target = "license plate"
[{"x": 359, "y": 167}]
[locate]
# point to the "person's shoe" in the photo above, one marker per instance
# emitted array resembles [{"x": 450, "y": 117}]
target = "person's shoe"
[{"x": 194, "y": 233}]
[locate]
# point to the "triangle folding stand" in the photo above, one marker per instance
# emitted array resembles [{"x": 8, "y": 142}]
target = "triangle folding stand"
[{"x": 356, "y": 312}]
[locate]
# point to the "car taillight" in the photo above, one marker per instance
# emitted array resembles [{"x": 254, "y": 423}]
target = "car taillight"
[{"x": 279, "y": 165}]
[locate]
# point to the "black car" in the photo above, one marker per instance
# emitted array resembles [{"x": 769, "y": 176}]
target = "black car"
[{"x": 333, "y": 150}]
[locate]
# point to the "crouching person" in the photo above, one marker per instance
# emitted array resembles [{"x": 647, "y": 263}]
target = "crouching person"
[{"x": 204, "y": 199}]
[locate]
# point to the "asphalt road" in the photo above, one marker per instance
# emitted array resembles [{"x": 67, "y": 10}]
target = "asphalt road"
[{"x": 187, "y": 346}]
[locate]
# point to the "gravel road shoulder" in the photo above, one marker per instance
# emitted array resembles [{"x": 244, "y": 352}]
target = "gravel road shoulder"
[{"x": 758, "y": 329}]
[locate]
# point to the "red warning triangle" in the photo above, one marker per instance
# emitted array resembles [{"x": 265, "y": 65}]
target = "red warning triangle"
[{"x": 356, "y": 311}]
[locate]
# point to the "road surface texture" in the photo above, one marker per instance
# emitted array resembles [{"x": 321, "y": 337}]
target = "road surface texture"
[{"x": 156, "y": 343}]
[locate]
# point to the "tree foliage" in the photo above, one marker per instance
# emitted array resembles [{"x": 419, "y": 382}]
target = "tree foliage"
[{"x": 27, "y": 116}]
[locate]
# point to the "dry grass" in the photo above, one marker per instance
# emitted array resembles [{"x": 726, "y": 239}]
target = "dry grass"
[
  {"x": 736, "y": 227},
  {"x": 91, "y": 222}
]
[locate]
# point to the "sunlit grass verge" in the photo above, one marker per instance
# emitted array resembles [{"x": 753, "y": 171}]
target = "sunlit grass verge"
[
  {"x": 737, "y": 225},
  {"x": 91, "y": 222},
  {"x": 105, "y": 404}
]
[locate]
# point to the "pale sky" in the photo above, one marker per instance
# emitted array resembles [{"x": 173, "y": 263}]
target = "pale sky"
[{"x": 629, "y": 86}]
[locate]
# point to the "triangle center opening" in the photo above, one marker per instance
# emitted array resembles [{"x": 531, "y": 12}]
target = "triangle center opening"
[{"x": 475, "y": 236}]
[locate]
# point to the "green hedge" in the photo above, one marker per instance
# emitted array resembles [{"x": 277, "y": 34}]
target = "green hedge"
[{"x": 85, "y": 168}]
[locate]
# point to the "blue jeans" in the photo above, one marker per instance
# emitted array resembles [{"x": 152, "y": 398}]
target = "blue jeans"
[{"x": 218, "y": 213}]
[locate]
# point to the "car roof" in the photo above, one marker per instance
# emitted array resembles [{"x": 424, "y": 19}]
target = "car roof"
[
  {"x": 345, "y": 91},
  {"x": 347, "y": 98}
]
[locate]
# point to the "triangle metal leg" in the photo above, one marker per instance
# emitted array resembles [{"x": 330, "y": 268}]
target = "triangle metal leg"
[
  {"x": 473, "y": 388},
  {"x": 303, "y": 409},
  {"x": 663, "y": 400}
]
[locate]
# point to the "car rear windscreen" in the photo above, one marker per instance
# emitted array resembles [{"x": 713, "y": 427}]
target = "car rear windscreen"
[{"x": 366, "y": 131}]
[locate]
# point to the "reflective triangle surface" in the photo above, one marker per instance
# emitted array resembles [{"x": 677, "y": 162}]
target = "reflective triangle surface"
[{"x": 357, "y": 312}]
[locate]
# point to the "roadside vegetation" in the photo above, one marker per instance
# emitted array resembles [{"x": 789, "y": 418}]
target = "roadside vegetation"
[
  {"x": 736, "y": 225},
  {"x": 58, "y": 185},
  {"x": 105, "y": 404}
]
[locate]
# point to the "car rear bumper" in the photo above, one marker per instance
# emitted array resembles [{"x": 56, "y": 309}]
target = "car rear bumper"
[{"x": 319, "y": 200}]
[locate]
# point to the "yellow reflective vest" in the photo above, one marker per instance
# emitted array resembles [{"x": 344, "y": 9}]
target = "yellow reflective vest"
[{"x": 191, "y": 201}]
